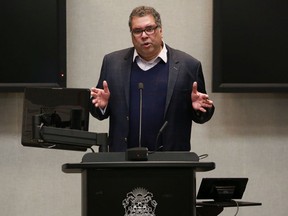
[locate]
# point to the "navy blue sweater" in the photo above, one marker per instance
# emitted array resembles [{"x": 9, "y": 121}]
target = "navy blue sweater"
[{"x": 154, "y": 97}]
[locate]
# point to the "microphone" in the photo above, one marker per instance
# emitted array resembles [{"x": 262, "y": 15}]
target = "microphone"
[
  {"x": 140, "y": 87},
  {"x": 139, "y": 153},
  {"x": 158, "y": 135}
]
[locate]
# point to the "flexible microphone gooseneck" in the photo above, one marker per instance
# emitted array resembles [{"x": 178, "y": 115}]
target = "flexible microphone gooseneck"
[{"x": 157, "y": 147}]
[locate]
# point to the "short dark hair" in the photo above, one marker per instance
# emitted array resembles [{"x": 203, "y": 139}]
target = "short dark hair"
[{"x": 142, "y": 11}]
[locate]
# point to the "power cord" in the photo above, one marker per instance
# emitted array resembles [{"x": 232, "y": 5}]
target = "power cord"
[
  {"x": 203, "y": 156},
  {"x": 237, "y": 204}
]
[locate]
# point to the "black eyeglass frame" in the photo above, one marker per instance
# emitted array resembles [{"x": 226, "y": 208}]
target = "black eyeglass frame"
[{"x": 149, "y": 30}]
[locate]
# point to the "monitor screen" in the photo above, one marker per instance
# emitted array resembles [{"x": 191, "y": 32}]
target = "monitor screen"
[
  {"x": 222, "y": 189},
  {"x": 66, "y": 108},
  {"x": 33, "y": 44},
  {"x": 250, "y": 46}
]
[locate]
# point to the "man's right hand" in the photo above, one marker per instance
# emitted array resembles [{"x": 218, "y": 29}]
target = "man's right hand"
[{"x": 100, "y": 96}]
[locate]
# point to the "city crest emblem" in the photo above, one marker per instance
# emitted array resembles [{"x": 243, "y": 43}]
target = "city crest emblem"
[{"x": 139, "y": 202}]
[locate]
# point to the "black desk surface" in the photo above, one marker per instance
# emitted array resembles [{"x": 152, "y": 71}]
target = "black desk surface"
[
  {"x": 159, "y": 159},
  {"x": 227, "y": 204}
]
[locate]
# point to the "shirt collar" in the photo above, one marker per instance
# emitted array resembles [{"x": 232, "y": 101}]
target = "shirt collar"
[{"x": 162, "y": 55}]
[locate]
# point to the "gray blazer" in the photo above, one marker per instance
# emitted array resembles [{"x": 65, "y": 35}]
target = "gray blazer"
[{"x": 183, "y": 71}]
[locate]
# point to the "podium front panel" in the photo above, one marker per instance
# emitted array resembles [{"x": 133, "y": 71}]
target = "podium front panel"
[{"x": 141, "y": 191}]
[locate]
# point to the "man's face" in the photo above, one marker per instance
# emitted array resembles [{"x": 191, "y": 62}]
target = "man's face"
[{"x": 148, "y": 45}]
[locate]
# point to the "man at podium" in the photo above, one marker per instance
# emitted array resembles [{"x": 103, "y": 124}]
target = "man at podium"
[{"x": 150, "y": 92}]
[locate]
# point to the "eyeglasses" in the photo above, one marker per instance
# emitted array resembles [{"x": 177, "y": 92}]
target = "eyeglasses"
[{"x": 148, "y": 30}]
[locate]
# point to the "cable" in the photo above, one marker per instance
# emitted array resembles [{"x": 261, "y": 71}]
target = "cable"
[
  {"x": 41, "y": 139},
  {"x": 237, "y": 204},
  {"x": 203, "y": 156},
  {"x": 92, "y": 149}
]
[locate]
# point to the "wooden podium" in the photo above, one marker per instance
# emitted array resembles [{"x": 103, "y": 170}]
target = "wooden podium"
[{"x": 164, "y": 185}]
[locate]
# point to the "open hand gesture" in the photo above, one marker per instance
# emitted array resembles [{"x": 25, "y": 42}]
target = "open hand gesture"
[
  {"x": 100, "y": 96},
  {"x": 200, "y": 101}
]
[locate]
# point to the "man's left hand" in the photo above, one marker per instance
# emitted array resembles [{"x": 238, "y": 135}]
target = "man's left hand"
[{"x": 200, "y": 101}]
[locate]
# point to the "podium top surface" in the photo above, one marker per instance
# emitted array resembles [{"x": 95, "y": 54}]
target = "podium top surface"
[{"x": 157, "y": 160}]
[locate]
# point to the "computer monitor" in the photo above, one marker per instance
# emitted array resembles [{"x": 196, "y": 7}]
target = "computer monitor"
[
  {"x": 222, "y": 189},
  {"x": 55, "y": 118}
]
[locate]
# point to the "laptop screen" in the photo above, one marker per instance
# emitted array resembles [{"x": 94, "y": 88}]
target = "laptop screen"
[{"x": 222, "y": 189}]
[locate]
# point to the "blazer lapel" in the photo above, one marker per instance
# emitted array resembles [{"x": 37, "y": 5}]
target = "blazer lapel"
[
  {"x": 126, "y": 72},
  {"x": 174, "y": 68}
]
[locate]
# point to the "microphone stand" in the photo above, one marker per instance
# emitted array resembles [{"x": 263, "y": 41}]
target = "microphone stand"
[
  {"x": 139, "y": 153},
  {"x": 140, "y": 87}
]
